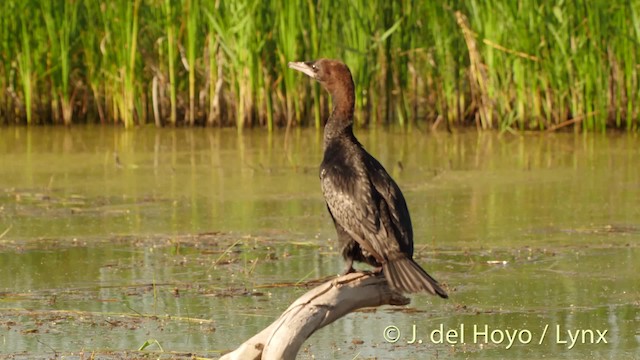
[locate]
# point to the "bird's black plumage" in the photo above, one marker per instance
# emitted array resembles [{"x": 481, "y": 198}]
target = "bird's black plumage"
[{"x": 367, "y": 207}]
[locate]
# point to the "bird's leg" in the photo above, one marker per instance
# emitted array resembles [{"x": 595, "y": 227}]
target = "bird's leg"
[{"x": 348, "y": 269}]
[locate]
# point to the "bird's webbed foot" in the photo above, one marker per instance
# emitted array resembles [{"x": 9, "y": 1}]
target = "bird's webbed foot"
[{"x": 348, "y": 268}]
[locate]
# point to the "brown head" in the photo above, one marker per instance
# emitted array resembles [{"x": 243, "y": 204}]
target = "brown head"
[{"x": 336, "y": 78}]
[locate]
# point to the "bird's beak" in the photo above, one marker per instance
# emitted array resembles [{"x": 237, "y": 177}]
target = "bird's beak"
[{"x": 303, "y": 68}]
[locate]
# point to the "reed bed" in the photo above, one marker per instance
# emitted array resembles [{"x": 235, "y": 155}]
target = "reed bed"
[{"x": 492, "y": 64}]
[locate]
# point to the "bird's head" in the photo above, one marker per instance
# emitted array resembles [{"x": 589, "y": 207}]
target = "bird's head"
[{"x": 333, "y": 75}]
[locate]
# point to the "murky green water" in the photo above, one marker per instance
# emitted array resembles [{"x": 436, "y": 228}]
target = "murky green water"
[{"x": 189, "y": 236}]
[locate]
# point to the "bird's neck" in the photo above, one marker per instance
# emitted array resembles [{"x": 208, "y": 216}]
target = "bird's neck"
[{"x": 340, "y": 123}]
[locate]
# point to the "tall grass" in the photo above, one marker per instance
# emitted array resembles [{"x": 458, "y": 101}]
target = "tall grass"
[
  {"x": 171, "y": 59},
  {"x": 26, "y": 71},
  {"x": 495, "y": 64},
  {"x": 60, "y": 23},
  {"x": 192, "y": 10}
]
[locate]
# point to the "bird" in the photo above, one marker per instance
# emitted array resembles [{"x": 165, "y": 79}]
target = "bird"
[{"x": 368, "y": 208}]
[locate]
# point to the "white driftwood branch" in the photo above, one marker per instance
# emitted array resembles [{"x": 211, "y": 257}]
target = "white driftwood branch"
[{"x": 317, "y": 308}]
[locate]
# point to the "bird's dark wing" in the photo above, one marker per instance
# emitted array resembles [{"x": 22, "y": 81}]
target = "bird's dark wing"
[
  {"x": 396, "y": 206},
  {"x": 350, "y": 198},
  {"x": 367, "y": 203}
]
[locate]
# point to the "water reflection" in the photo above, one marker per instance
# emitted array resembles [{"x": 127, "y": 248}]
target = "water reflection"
[{"x": 527, "y": 231}]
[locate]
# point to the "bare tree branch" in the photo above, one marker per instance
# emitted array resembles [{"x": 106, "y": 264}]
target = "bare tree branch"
[{"x": 317, "y": 308}]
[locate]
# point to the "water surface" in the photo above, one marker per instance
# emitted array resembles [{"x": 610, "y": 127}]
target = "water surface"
[{"x": 199, "y": 238}]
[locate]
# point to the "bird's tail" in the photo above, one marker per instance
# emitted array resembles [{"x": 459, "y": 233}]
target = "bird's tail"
[{"x": 405, "y": 275}]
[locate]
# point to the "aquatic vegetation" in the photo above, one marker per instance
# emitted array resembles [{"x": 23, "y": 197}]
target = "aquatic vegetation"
[{"x": 507, "y": 65}]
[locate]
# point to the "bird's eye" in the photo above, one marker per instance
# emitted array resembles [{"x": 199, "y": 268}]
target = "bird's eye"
[{"x": 314, "y": 67}]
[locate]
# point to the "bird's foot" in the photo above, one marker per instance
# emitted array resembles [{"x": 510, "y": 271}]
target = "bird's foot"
[
  {"x": 377, "y": 270},
  {"x": 348, "y": 270}
]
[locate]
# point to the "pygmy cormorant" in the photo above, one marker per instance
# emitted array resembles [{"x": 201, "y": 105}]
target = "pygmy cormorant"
[{"x": 367, "y": 206}]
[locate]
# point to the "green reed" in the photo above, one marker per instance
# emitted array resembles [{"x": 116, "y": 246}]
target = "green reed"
[
  {"x": 25, "y": 71},
  {"x": 60, "y": 23},
  {"x": 171, "y": 58},
  {"x": 496, "y": 64},
  {"x": 192, "y": 11}
]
